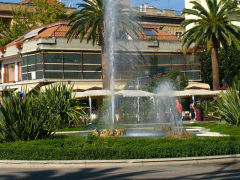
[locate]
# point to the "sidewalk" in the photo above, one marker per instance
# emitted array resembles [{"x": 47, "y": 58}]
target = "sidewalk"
[{"x": 118, "y": 163}]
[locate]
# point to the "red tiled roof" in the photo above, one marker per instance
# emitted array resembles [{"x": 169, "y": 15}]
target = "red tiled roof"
[
  {"x": 60, "y": 28},
  {"x": 49, "y": 32},
  {"x": 165, "y": 36},
  {"x": 150, "y": 25}
]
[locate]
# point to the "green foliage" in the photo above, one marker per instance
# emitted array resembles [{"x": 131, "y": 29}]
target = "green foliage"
[
  {"x": 58, "y": 104},
  {"x": 229, "y": 65},
  {"x": 89, "y": 17},
  {"x": 173, "y": 76},
  {"x": 25, "y": 18},
  {"x": 46, "y": 12},
  {"x": 36, "y": 115},
  {"x": 212, "y": 24},
  {"x": 129, "y": 109},
  {"x": 212, "y": 28},
  {"x": 73, "y": 148},
  {"x": 21, "y": 120},
  {"x": 206, "y": 67},
  {"x": 89, "y": 20},
  {"x": 228, "y": 105},
  {"x": 198, "y": 106},
  {"x": 208, "y": 107}
]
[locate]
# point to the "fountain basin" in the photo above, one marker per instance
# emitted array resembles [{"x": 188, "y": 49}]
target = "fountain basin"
[{"x": 129, "y": 132}]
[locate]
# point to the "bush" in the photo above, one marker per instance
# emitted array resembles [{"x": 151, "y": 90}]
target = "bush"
[
  {"x": 73, "y": 148},
  {"x": 57, "y": 103},
  {"x": 174, "y": 76},
  {"x": 21, "y": 120},
  {"x": 228, "y": 105},
  {"x": 36, "y": 115}
]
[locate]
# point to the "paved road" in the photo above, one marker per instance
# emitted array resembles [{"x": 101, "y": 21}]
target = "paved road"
[{"x": 200, "y": 171}]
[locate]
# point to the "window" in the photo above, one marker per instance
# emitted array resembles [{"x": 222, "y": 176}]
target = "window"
[
  {"x": 149, "y": 33},
  {"x": 9, "y": 73},
  {"x": 19, "y": 71},
  {"x": 179, "y": 34}
]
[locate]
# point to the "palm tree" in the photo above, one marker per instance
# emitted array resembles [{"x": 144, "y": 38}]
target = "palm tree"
[
  {"x": 212, "y": 28},
  {"x": 88, "y": 22}
]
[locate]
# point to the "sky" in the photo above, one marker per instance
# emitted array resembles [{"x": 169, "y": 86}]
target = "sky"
[{"x": 160, "y": 4}]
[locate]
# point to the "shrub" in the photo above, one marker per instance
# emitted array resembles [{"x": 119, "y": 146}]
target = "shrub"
[
  {"x": 73, "y": 148},
  {"x": 174, "y": 76},
  {"x": 21, "y": 120},
  {"x": 228, "y": 105},
  {"x": 36, "y": 115},
  {"x": 57, "y": 103}
]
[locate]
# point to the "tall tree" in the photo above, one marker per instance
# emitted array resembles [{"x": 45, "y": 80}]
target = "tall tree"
[
  {"x": 27, "y": 17},
  {"x": 21, "y": 22},
  {"x": 46, "y": 11},
  {"x": 212, "y": 28},
  {"x": 88, "y": 22}
]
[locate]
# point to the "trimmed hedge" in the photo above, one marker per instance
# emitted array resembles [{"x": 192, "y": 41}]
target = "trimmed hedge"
[{"x": 73, "y": 148}]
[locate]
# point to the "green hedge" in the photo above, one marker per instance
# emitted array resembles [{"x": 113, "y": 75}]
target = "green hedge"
[{"x": 73, "y": 148}]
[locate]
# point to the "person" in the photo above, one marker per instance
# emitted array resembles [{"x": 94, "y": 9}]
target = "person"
[
  {"x": 179, "y": 111},
  {"x": 192, "y": 111}
]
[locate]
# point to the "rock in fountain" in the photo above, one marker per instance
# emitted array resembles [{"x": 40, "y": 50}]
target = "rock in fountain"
[
  {"x": 163, "y": 128},
  {"x": 109, "y": 133}
]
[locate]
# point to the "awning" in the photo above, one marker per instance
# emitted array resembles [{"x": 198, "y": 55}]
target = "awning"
[
  {"x": 134, "y": 93},
  {"x": 197, "y": 85},
  {"x": 26, "y": 87},
  {"x": 77, "y": 86},
  {"x": 199, "y": 92},
  {"x": 189, "y": 93},
  {"x": 92, "y": 93},
  {"x": 9, "y": 87}
]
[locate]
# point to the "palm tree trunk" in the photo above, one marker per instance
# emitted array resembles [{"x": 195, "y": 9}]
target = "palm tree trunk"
[{"x": 215, "y": 69}]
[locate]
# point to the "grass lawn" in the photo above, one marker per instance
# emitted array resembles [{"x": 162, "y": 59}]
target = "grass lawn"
[{"x": 222, "y": 128}]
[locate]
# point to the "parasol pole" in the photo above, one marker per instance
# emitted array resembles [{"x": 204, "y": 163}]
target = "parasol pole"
[{"x": 90, "y": 104}]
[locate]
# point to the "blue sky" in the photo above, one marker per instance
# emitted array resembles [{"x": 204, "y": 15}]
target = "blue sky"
[{"x": 160, "y": 4}]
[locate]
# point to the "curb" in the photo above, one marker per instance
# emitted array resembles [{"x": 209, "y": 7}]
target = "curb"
[{"x": 118, "y": 163}]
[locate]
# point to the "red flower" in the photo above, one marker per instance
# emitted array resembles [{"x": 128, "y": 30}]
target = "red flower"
[
  {"x": 2, "y": 49},
  {"x": 19, "y": 45}
]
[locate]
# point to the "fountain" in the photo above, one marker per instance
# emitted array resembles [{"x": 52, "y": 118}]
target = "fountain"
[
  {"x": 159, "y": 109},
  {"x": 110, "y": 39}
]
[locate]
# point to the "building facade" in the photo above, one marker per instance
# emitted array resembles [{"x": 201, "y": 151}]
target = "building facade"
[{"x": 43, "y": 55}]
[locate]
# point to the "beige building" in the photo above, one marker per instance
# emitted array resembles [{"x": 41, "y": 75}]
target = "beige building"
[
  {"x": 167, "y": 20},
  {"x": 45, "y": 56}
]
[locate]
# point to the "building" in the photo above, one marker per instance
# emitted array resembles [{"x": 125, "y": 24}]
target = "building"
[
  {"x": 43, "y": 55},
  {"x": 166, "y": 20}
]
